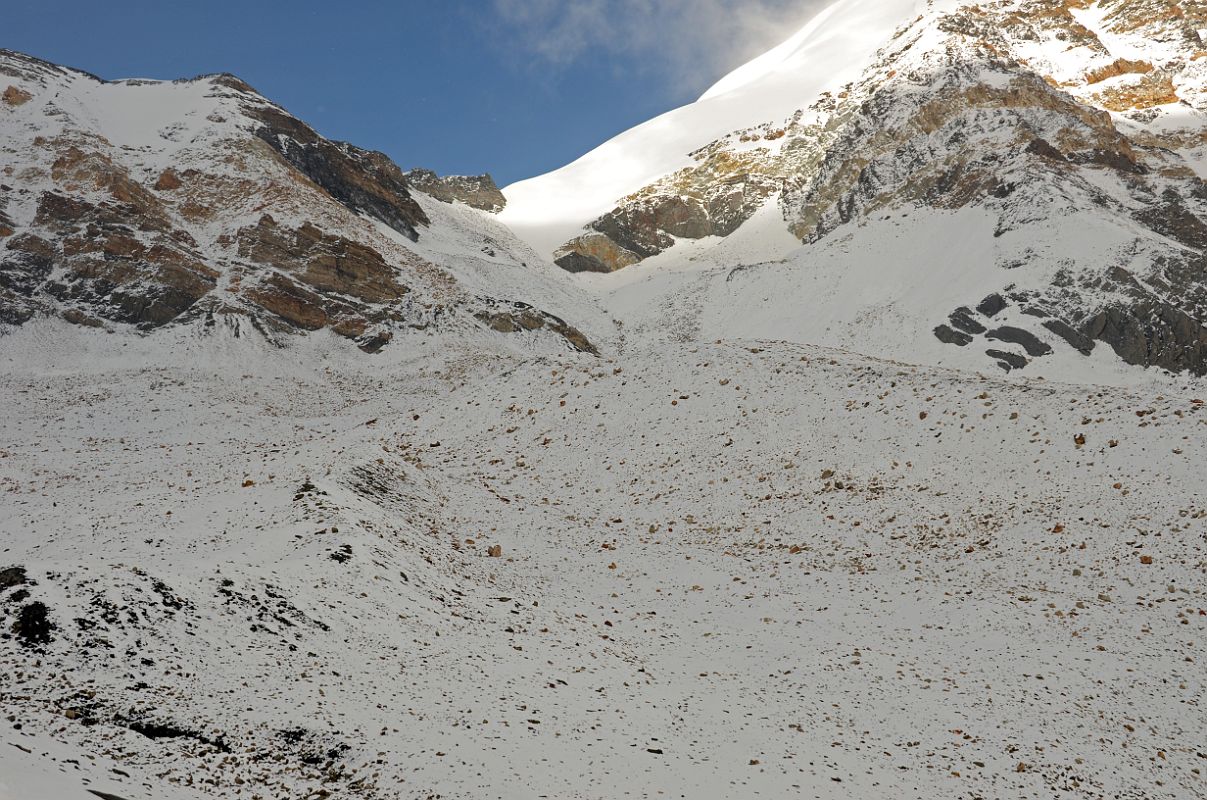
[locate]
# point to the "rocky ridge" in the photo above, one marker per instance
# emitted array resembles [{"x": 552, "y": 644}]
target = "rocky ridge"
[
  {"x": 1029, "y": 111},
  {"x": 147, "y": 203},
  {"x": 476, "y": 191}
]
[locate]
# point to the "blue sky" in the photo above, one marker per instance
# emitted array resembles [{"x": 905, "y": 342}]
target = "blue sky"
[{"x": 511, "y": 87}]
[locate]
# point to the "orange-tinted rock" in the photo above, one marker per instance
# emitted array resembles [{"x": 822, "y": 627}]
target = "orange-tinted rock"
[
  {"x": 350, "y": 327},
  {"x": 168, "y": 181},
  {"x": 14, "y": 96},
  {"x": 324, "y": 262},
  {"x": 148, "y": 278},
  {"x": 77, "y": 317},
  {"x": 289, "y": 301},
  {"x": 523, "y": 318}
]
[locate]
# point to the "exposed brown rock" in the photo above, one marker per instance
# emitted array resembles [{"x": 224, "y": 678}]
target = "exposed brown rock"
[
  {"x": 1122, "y": 66},
  {"x": 713, "y": 198},
  {"x": 594, "y": 252},
  {"x": 525, "y": 318},
  {"x": 123, "y": 265},
  {"x": 1152, "y": 90},
  {"x": 15, "y": 96},
  {"x": 103, "y": 246},
  {"x": 77, "y": 168},
  {"x": 324, "y": 262},
  {"x": 364, "y": 181},
  {"x": 476, "y": 191},
  {"x": 168, "y": 181},
  {"x": 350, "y": 327},
  {"x": 288, "y": 300},
  {"x": 77, "y": 317}
]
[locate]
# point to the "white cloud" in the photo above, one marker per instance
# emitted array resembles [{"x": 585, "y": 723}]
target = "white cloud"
[{"x": 690, "y": 43}]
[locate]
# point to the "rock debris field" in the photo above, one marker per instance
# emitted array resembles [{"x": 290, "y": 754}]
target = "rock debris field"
[{"x": 738, "y": 569}]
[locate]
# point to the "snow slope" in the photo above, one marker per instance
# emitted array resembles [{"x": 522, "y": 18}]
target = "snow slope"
[
  {"x": 829, "y": 52},
  {"x": 725, "y": 570},
  {"x": 1037, "y": 152}
]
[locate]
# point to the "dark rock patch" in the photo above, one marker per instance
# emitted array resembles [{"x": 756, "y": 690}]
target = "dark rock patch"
[
  {"x": 1171, "y": 218},
  {"x": 33, "y": 626},
  {"x": 1044, "y": 148},
  {"x": 1153, "y": 334},
  {"x": 1113, "y": 159},
  {"x": 169, "y": 730},
  {"x": 1076, "y": 339},
  {"x": 992, "y": 305},
  {"x": 310, "y": 747},
  {"x": 1034, "y": 346},
  {"x": 947, "y": 335},
  {"x": 12, "y": 576},
  {"x": 25, "y": 263},
  {"x": 375, "y": 343},
  {"x": 168, "y": 597},
  {"x": 364, "y": 181},
  {"x": 962, "y": 319},
  {"x": 1008, "y": 361},
  {"x": 576, "y": 262}
]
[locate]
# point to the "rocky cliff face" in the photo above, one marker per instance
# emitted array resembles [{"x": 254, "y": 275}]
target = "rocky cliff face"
[
  {"x": 1032, "y": 111},
  {"x": 148, "y": 204},
  {"x": 476, "y": 191}
]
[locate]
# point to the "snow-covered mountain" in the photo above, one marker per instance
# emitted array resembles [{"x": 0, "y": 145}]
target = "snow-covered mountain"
[
  {"x": 321, "y": 479},
  {"x": 201, "y": 203},
  {"x": 948, "y": 182}
]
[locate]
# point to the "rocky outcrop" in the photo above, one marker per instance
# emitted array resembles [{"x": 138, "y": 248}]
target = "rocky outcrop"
[
  {"x": 947, "y": 335},
  {"x": 13, "y": 96},
  {"x": 476, "y": 191},
  {"x": 1025, "y": 339},
  {"x": 1006, "y": 360},
  {"x": 120, "y": 265},
  {"x": 1153, "y": 334},
  {"x": 325, "y": 262},
  {"x": 319, "y": 280},
  {"x": 226, "y": 210},
  {"x": 365, "y": 181},
  {"x": 520, "y": 318},
  {"x": 1076, "y": 339},
  {"x": 1042, "y": 116},
  {"x": 594, "y": 252},
  {"x": 713, "y": 198}
]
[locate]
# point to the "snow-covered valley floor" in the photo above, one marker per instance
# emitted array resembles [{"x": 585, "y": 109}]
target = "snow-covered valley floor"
[{"x": 724, "y": 570}]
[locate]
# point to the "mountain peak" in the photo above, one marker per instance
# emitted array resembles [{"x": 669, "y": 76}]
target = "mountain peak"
[{"x": 198, "y": 201}]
